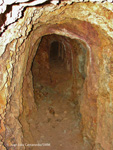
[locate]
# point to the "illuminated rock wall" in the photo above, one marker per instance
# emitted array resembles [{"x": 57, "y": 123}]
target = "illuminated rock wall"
[{"x": 91, "y": 23}]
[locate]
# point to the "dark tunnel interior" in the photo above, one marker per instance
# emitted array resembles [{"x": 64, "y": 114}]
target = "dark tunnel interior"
[
  {"x": 57, "y": 85},
  {"x": 54, "y": 50}
]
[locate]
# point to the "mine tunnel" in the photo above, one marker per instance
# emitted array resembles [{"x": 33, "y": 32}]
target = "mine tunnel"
[
  {"x": 55, "y": 76},
  {"x": 57, "y": 55},
  {"x": 57, "y": 51},
  {"x": 54, "y": 50}
]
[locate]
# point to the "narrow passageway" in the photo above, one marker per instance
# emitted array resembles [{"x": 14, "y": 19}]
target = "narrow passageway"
[
  {"x": 58, "y": 120},
  {"x": 56, "y": 75}
]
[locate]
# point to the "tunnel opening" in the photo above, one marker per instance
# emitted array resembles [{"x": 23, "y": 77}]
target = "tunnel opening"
[
  {"x": 54, "y": 83},
  {"x": 54, "y": 50},
  {"x": 57, "y": 55},
  {"x": 58, "y": 91},
  {"x": 52, "y": 61},
  {"x": 82, "y": 90},
  {"x": 57, "y": 62}
]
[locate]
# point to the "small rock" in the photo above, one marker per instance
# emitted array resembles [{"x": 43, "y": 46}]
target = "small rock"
[
  {"x": 64, "y": 131},
  {"x": 42, "y": 136},
  {"x": 65, "y": 118},
  {"x": 51, "y": 110},
  {"x": 65, "y": 112},
  {"x": 72, "y": 104},
  {"x": 56, "y": 115}
]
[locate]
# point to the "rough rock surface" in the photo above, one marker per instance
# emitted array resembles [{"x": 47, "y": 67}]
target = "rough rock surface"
[
  {"x": 12, "y": 10},
  {"x": 92, "y": 25}
]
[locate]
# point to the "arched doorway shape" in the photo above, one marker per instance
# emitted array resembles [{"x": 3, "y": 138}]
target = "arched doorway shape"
[
  {"x": 63, "y": 86},
  {"x": 85, "y": 102}
]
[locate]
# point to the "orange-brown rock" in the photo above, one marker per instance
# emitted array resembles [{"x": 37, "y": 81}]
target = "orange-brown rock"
[{"x": 84, "y": 34}]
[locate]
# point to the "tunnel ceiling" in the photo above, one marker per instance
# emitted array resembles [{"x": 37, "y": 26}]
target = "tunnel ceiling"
[{"x": 11, "y": 10}]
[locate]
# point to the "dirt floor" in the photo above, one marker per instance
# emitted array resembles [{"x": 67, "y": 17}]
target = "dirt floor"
[{"x": 58, "y": 119}]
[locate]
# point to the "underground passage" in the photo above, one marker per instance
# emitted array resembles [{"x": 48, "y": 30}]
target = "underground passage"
[
  {"x": 57, "y": 51},
  {"x": 56, "y": 75},
  {"x": 58, "y": 120}
]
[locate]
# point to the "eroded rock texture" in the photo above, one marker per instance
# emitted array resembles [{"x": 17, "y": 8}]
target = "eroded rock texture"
[{"x": 86, "y": 31}]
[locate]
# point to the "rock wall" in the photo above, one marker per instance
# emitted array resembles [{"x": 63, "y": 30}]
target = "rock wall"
[
  {"x": 91, "y": 23},
  {"x": 11, "y": 10}
]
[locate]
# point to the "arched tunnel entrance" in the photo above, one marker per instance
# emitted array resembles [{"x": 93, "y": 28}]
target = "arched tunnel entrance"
[
  {"x": 59, "y": 70},
  {"x": 54, "y": 76},
  {"x": 52, "y": 61},
  {"x": 65, "y": 97}
]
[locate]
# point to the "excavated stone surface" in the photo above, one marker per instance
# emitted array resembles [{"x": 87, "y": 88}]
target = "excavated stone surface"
[
  {"x": 11, "y": 10},
  {"x": 91, "y": 23}
]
